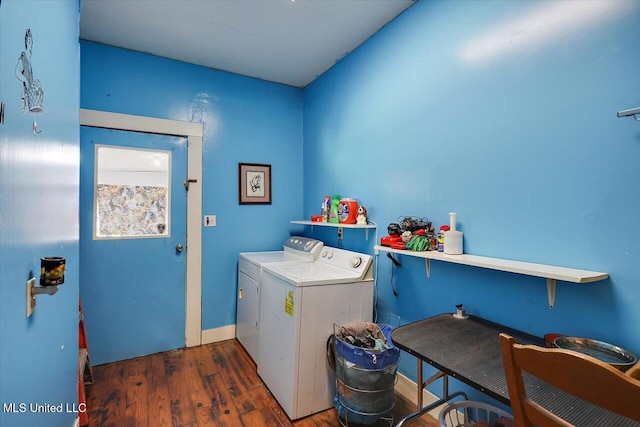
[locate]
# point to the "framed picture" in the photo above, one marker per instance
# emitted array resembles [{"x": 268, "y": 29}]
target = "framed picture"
[{"x": 255, "y": 184}]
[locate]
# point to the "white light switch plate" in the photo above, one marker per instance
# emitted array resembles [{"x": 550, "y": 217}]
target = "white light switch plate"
[{"x": 209, "y": 220}]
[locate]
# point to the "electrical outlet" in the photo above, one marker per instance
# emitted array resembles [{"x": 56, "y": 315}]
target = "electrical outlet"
[
  {"x": 209, "y": 220},
  {"x": 31, "y": 300}
]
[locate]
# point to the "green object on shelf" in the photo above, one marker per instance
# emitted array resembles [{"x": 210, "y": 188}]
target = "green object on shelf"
[{"x": 333, "y": 211}]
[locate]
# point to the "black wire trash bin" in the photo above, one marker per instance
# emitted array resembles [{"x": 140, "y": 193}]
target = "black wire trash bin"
[{"x": 366, "y": 362}]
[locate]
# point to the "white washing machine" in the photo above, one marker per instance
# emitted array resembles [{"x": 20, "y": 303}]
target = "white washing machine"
[
  {"x": 299, "y": 305},
  {"x": 295, "y": 250}
]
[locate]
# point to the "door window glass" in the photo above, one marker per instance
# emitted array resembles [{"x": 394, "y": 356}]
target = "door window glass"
[{"x": 132, "y": 194}]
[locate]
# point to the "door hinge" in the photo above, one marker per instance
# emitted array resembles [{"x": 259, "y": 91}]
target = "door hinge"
[{"x": 187, "y": 182}]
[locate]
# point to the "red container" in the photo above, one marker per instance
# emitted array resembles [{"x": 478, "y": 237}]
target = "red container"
[{"x": 347, "y": 211}]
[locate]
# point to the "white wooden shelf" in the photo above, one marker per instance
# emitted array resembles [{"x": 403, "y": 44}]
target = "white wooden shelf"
[
  {"x": 339, "y": 226},
  {"x": 551, "y": 273}
]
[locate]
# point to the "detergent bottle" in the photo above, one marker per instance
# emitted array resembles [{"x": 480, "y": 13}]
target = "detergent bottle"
[
  {"x": 333, "y": 211},
  {"x": 347, "y": 211}
]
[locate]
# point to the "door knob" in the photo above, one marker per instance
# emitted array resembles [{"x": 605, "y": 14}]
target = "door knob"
[{"x": 179, "y": 247}]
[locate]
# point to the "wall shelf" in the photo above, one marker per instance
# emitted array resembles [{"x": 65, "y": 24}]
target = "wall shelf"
[
  {"x": 549, "y": 272},
  {"x": 339, "y": 226}
]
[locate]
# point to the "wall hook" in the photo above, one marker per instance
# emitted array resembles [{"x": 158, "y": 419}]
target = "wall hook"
[
  {"x": 35, "y": 128},
  {"x": 189, "y": 181},
  {"x": 33, "y": 291},
  {"x": 635, "y": 112}
]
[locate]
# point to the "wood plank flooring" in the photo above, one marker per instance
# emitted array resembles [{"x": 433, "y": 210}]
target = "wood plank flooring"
[{"x": 209, "y": 385}]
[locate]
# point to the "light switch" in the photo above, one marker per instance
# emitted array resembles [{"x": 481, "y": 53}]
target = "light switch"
[{"x": 209, "y": 220}]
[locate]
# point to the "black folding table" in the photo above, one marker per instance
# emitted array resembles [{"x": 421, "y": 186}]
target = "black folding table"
[{"x": 469, "y": 350}]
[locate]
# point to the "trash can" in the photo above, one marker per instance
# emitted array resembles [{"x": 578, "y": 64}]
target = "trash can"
[{"x": 366, "y": 362}]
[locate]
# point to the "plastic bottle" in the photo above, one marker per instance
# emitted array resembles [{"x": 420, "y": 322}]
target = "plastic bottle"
[
  {"x": 453, "y": 237},
  {"x": 347, "y": 211},
  {"x": 326, "y": 205},
  {"x": 440, "y": 237},
  {"x": 333, "y": 211}
]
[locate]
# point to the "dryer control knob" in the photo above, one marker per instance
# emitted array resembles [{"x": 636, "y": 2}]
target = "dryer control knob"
[
  {"x": 355, "y": 262},
  {"x": 330, "y": 255},
  {"x": 324, "y": 254},
  {"x": 308, "y": 245}
]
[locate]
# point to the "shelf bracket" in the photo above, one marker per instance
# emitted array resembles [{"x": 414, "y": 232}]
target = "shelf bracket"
[
  {"x": 633, "y": 112},
  {"x": 551, "y": 292},
  {"x": 366, "y": 234},
  {"x": 427, "y": 264}
]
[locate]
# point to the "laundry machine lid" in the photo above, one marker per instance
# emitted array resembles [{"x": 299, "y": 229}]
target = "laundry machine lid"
[{"x": 312, "y": 274}]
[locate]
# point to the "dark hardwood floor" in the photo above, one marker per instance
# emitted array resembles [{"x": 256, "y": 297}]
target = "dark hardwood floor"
[{"x": 210, "y": 385}]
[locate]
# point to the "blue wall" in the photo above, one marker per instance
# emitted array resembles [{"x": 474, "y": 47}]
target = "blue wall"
[
  {"x": 506, "y": 113},
  {"x": 245, "y": 120},
  {"x": 425, "y": 118},
  {"x": 39, "y": 176}
]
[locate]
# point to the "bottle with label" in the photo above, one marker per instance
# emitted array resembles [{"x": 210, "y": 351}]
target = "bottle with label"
[
  {"x": 333, "y": 211},
  {"x": 326, "y": 205},
  {"x": 347, "y": 211},
  {"x": 440, "y": 238}
]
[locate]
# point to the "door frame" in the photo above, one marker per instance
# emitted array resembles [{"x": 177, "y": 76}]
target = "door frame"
[{"x": 194, "y": 134}]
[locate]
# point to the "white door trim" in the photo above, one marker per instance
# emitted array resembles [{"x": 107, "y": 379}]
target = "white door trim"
[{"x": 194, "y": 133}]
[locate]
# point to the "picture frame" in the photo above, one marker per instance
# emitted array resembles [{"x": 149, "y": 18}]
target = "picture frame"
[{"x": 254, "y": 184}]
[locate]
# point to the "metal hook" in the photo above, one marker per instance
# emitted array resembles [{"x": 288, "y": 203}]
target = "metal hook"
[
  {"x": 633, "y": 112},
  {"x": 35, "y": 128},
  {"x": 189, "y": 181}
]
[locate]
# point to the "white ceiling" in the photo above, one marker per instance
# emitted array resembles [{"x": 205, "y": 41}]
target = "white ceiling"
[{"x": 285, "y": 41}]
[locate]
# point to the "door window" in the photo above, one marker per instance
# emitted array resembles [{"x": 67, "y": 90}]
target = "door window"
[{"x": 132, "y": 193}]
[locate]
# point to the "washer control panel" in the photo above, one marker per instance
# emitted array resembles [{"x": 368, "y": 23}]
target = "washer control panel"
[
  {"x": 303, "y": 246},
  {"x": 349, "y": 260}
]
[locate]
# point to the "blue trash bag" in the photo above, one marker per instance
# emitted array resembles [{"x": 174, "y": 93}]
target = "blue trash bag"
[{"x": 362, "y": 357}]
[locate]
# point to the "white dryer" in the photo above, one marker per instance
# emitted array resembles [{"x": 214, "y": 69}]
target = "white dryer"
[
  {"x": 299, "y": 305},
  {"x": 296, "y": 249}
]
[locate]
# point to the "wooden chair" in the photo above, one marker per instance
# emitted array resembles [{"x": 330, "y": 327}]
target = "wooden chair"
[{"x": 580, "y": 375}]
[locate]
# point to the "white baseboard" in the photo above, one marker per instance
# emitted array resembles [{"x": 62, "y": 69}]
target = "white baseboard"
[
  {"x": 218, "y": 334},
  {"x": 409, "y": 389}
]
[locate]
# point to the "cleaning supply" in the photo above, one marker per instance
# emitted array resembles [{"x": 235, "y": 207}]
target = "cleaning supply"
[
  {"x": 326, "y": 206},
  {"x": 452, "y": 238},
  {"x": 333, "y": 210},
  {"x": 440, "y": 245},
  {"x": 347, "y": 211}
]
